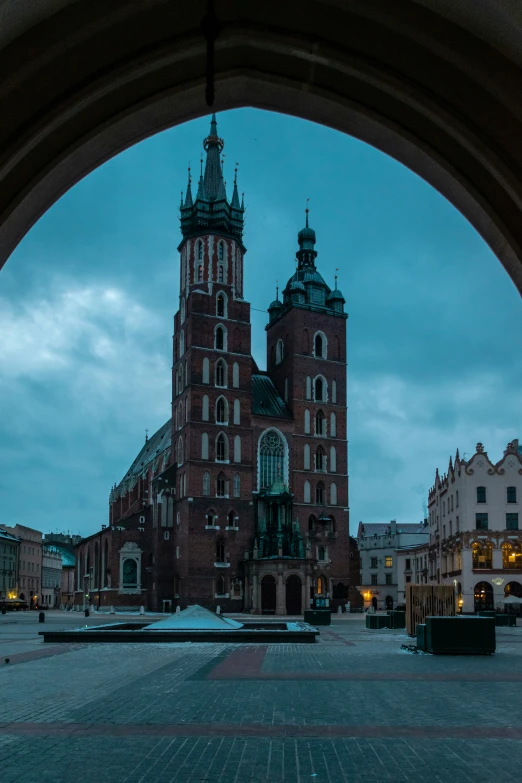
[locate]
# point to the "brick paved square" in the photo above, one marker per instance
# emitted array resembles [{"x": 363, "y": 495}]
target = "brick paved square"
[{"x": 221, "y": 713}]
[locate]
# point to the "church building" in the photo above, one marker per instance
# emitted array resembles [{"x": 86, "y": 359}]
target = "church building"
[{"x": 240, "y": 500}]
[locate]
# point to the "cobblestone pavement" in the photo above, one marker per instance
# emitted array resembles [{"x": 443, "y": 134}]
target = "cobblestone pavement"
[{"x": 354, "y": 707}]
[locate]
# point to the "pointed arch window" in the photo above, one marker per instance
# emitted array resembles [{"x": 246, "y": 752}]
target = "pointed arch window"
[
  {"x": 221, "y": 411},
  {"x": 180, "y": 451},
  {"x": 306, "y": 457},
  {"x": 237, "y": 448},
  {"x": 333, "y": 459},
  {"x": 333, "y": 425},
  {"x": 200, "y": 250},
  {"x": 319, "y": 389},
  {"x": 319, "y": 493},
  {"x": 206, "y": 483},
  {"x": 308, "y": 390},
  {"x": 319, "y": 346},
  {"x": 220, "y": 306},
  {"x": 220, "y": 585},
  {"x": 220, "y": 339},
  {"x": 221, "y": 448},
  {"x": 333, "y": 494},
  {"x": 182, "y": 311},
  {"x": 220, "y": 486},
  {"x": 221, "y": 373},
  {"x": 237, "y": 485},
  {"x": 320, "y": 428},
  {"x": 204, "y": 408},
  {"x": 307, "y": 422},
  {"x": 280, "y": 349},
  {"x": 204, "y": 445},
  {"x": 221, "y": 251},
  {"x": 306, "y": 492},
  {"x": 235, "y": 375},
  {"x": 237, "y": 412},
  {"x": 206, "y": 370},
  {"x": 220, "y": 551},
  {"x": 271, "y": 459},
  {"x": 320, "y": 459}
]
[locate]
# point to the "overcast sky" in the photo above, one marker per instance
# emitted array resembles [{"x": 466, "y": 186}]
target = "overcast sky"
[{"x": 87, "y": 299}]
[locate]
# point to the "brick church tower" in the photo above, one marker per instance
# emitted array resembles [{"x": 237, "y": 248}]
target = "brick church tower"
[{"x": 241, "y": 499}]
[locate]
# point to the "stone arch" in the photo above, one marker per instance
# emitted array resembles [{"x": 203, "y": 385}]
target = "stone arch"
[
  {"x": 320, "y": 345},
  {"x": 383, "y": 78},
  {"x": 222, "y": 447},
  {"x": 280, "y": 351},
  {"x": 220, "y": 338},
  {"x": 221, "y": 374},
  {"x": 268, "y": 594},
  {"x": 272, "y": 458},
  {"x": 221, "y": 304},
  {"x": 221, "y": 414},
  {"x": 293, "y": 594}
]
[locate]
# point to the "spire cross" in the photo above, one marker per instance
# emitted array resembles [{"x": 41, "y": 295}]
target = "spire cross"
[
  {"x": 277, "y": 290},
  {"x": 307, "y": 211},
  {"x": 146, "y": 435}
]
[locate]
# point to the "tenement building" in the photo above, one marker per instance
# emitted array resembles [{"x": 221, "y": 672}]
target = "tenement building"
[
  {"x": 240, "y": 500},
  {"x": 475, "y": 537},
  {"x": 29, "y": 563},
  {"x": 380, "y": 546}
]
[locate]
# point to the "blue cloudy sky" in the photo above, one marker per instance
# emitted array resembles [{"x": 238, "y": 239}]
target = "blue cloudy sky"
[{"x": 87, "y": 299}]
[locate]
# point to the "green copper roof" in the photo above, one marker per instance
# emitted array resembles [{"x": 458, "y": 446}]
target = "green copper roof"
[{"x": 266, "y": 400}]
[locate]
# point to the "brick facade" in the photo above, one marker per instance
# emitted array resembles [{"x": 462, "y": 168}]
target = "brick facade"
[{"x": 241, "y": 499}]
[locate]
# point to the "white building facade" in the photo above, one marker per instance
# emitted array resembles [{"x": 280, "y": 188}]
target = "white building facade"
[
  {"x": 475, "y": 541},
  {"x": 381, "y": 547}
]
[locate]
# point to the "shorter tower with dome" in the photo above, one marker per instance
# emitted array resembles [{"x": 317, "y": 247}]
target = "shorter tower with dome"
[{"x": 240, "y": 500}]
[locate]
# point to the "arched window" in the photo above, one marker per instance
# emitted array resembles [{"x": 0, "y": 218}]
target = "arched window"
[
  {"x": 334, "y": 391},
  {"x": 220, "y": 551},
  {"x": 181, "y": 343},
  {"x": 204, "y": 445},
  {"x": 237, "y": 412},
  {"x": 221, "y": 373},
  {"x": 308, "y": 389},
  {"x": 220, "y": 306},
  {"x": 200, "y": 250},
  {"x": 221, "y": 448},
  {"x": 206, "y": 370},
  {"x": 221, "y": 251},
  {"x": 231, "y": 519},
  {"x": 221, "y": 274},
  {"x": 206, "y": 483},
  {"x": 200, "y": 273},
  {"x": 319, "y": 493},
  {"x": 307, "y": 422},
  {"x": 482, "y": 555},
  {"x": 320, "y": 587},
  {"x": 320, "y": 346},
  {"x": 320, "y": 459},
  {"x": 306, "y": 492},
  {"x": 220, "y": 584},
  {"x": 237, "y": 448},
  {"x": 279, "y": 352},
  {"x": 235, "y": 375},
  {"x": 271, "y": 459},
  {"x": 237, "y": 485},
  {"x": 221, "y": 486},
  {"x": 333, "y": 425},
  {"x": 129, "y": 573},
  {"x": 221, "y": 411},
  {"x": 180, "y": 451},
  {"x": 182, "y": 311},
  {"x": 204, "y": 408},
  {"x": 511, "y": 555},
  {"x": 306, "y": 457},
  {"x": 320, "y": 429},
  {"x": 319, "y": 389},
  {"x": 220, "y": 340},
  {"x": 333, "y": 459},
  {"x": 333, "y": 494}
]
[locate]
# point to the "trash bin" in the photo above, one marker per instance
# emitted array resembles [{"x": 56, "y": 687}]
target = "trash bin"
[
  {"x": 41, "y": 617},
  {"x": 87, "y": 613}
]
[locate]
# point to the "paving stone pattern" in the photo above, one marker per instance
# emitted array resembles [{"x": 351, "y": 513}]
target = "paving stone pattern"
[{"x": 353, "y": 707}]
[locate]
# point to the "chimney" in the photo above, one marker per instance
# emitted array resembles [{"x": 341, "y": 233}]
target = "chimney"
[{"x": 393, "y": 527}]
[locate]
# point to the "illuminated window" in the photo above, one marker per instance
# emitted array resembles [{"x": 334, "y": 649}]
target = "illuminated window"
[{"x": 388, "y": 562}]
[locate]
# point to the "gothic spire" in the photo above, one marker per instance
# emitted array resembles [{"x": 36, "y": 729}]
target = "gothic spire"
[
  {"x": 235, "y": 195},
  {"x": 213, "y": 177},
  {"x": 188, "y": 198}
]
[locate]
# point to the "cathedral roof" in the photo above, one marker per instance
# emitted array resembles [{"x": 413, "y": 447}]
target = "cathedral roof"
[
  {"x": 151, "y": 449},
  {"x": 266, "y": 400}
]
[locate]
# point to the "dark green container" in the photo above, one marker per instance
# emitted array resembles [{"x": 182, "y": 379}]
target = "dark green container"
[
  {"x": 508, "y": 620},
  {"x": 460, "y": 635},
  {"x": 421, "y": 636},
  {"x": 318, "y": 616},
  {"x": 398, "y": 618},
  {"x": 376, "y": 621}
]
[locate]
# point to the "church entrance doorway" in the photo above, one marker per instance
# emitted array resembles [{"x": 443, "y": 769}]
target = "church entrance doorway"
[
  {"x": 293, "y": 595},
  {"x": 268, "y": 594}
]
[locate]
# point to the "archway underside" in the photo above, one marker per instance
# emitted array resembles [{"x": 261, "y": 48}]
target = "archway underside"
[{"x": 88, "y": 80}]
